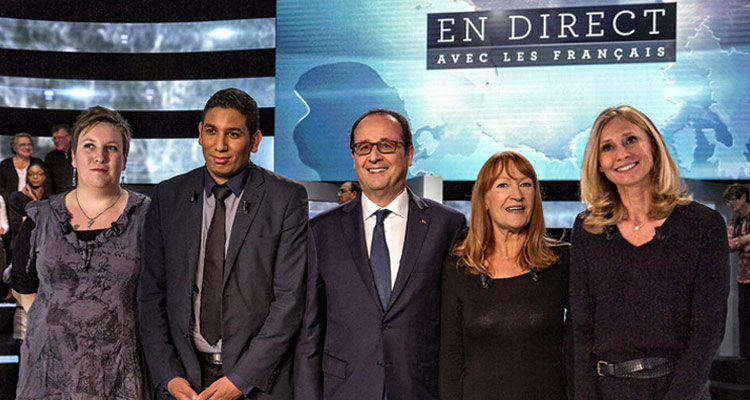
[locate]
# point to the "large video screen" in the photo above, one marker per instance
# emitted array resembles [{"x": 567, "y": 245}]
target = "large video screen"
[
  {"x": 478, "y": 76},
  {"x": 158, "y": 75}
]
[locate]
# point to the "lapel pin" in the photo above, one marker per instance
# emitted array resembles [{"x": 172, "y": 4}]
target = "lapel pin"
[{"x": 424, "y": 221}]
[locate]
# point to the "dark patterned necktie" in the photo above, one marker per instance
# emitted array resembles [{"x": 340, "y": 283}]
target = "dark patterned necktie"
[
  {"x": 380, "y": 258},
  {"x": 213, "y": 269}
]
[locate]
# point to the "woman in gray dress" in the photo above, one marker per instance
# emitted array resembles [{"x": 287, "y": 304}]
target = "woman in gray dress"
[{"x": 75, "y": 268}]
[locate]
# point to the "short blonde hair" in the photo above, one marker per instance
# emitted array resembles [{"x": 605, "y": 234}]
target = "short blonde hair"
[
  {"x": 98, "y": 114},
  {"x": 480, "y": 240},
  {"x": 600, "y": 194}
]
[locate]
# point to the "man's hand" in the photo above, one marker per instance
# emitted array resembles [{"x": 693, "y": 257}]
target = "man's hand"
[
  {"x": 222, "y": 389},
  {"x": 180, "y": 389}
]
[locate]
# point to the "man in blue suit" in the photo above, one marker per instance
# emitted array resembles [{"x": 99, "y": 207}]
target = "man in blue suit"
[
  {"x": 221, "y": 290},
  {"x": 372, "y": 317}
]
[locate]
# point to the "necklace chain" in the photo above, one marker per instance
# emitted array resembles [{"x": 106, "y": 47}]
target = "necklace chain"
[
  {"x": 636, "y": 227},
  {"x": 92, "y": 219}
]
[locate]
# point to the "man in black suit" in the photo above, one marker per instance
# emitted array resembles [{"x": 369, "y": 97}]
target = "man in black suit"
[
  {"x": 59, "y": 160},
  {"x": 221, "y": 290},
  {"x": 371, "y": 329}
]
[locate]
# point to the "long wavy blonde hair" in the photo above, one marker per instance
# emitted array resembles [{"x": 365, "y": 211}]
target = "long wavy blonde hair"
[
  {"x": 480, "y": 240},
  {"x": 604, "y": 206}
]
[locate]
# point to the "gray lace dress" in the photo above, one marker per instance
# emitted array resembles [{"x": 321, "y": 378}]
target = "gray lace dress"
[{"x": 82, "y": 340}]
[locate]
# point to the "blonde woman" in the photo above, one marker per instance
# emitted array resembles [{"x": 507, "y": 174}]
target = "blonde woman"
[
  {"x": 649, "y": 270},
  {"x": 505, "y": 291}
]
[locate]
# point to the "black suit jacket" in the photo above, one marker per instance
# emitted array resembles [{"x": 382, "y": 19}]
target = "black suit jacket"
[
  {"x": 350, "y": 347},
  {"x": 264, "y": 271}
]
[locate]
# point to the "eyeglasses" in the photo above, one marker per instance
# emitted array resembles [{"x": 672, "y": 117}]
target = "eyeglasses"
[
  {"x": 345, "y": 190},
  {"x": 35, "y": 174},
  {"x": 730, "y": 201},
  {"x": 384, "y": 147}
]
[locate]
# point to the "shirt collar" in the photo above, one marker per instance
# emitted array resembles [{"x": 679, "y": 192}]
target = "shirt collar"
[
  {"x": 399, "y": 205},
  {"x": 236, "y": 183}
]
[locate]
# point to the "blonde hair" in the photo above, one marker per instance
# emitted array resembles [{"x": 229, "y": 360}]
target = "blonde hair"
[
  {"x": 480, "y": 240},
  {"x": 604, "y": 206},
  {"x": 98, "y": 114}
]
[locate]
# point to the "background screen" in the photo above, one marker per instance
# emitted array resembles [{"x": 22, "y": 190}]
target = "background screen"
[{"x": 337, "y": 59}]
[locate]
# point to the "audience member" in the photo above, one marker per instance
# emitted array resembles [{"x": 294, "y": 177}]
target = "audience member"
[
  {"x": 76, "y": 260},
  {"x": 13, "y": 169},
  {"x": 348, "y": 191},
  {"x": 505, "y": 292},
  {"x": 59, "y": 160},
  {"x": 33, "y": 191},
  {"x": 221, "y": 292},
  {"x": 738, "y": 198},
  {"x": 649, "y": 270},
  {"x": 372, "y": 319}
]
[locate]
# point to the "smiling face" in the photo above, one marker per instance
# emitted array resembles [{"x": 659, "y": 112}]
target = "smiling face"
[
  {"x": 61, "y": 139},
  {"x": 24, "y": 147},
  {"x": 35, "y": 177},
  {"x": 625, "y": 154},
  {"x": 99, "y": 157},
  {"x": 510, "y": 201},
  {"x": 382, "y": 177},
  {"x": 227, "y": 142}
]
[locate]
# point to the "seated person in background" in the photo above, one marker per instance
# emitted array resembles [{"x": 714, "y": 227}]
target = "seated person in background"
[
  {"x": 348, "y": 191},
  {"x": 33, "y": 191},
  {"x": 59, "y": 160}
]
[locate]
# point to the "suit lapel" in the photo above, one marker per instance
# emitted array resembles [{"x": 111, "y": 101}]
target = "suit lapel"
[
  {"x": 246, "y": 211},
  {"x": 417, "y": 225},
  {"x": 194, "y": 217},
  {"x": 354, "y": 234}
]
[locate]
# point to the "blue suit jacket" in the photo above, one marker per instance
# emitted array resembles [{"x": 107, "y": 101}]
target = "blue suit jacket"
[
  {"x": 352, "y": 348},
  {"x": 263, "y": 296}
]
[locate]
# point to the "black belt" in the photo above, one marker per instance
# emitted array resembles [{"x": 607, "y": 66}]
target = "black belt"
[
  {"x": 211, "y": 358},
  {"x": 640, "y": 368}
]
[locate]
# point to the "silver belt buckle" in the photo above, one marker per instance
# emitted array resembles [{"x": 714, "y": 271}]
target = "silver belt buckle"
[
  {"x": 599, "y": 365},
  {"x": 213, "y": 358}
]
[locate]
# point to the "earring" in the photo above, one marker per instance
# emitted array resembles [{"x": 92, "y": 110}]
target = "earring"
[
  {"x": 75, "y": 173},
  {"x": 122, "y": 181}
]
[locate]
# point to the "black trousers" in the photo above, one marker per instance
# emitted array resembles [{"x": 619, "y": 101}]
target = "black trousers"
[{"x": 743, "y": 312}]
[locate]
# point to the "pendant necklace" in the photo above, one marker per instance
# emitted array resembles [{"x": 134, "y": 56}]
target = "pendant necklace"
[{"x": 92, "y": 219}]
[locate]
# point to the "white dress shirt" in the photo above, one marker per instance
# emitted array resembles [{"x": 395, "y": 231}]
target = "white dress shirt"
[{"x": 394, "y": 226}]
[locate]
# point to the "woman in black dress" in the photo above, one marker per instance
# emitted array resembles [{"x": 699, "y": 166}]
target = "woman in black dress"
[
  {"x": 505, "y": 291},
  {"x": 649, "y": 270}
]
